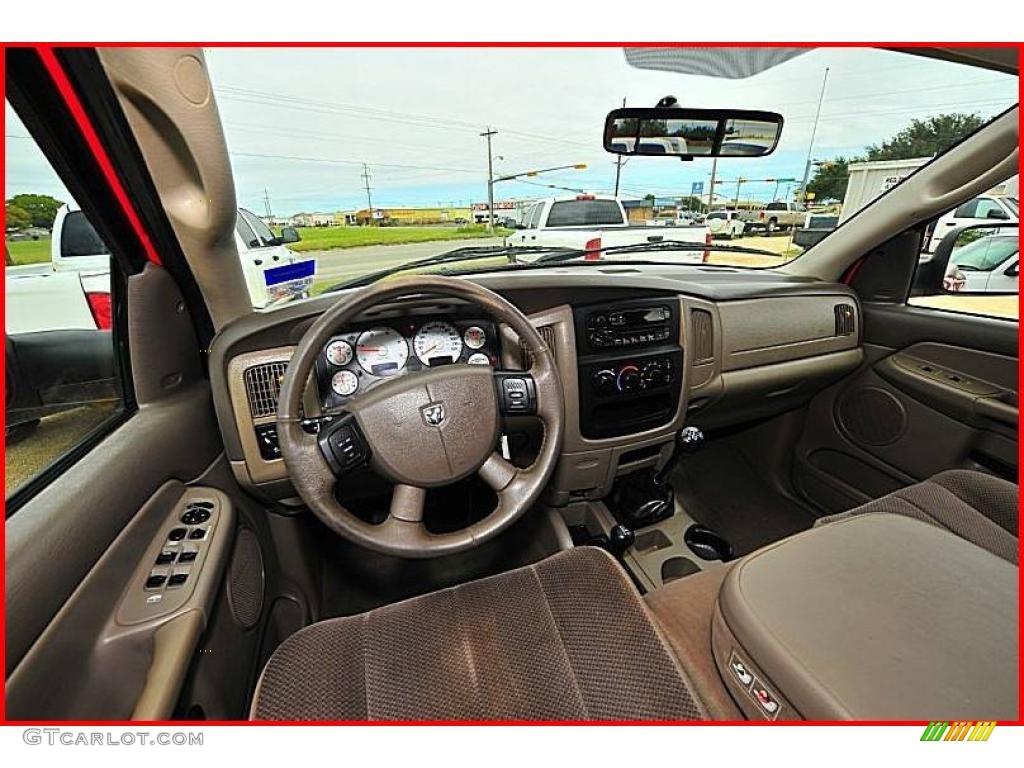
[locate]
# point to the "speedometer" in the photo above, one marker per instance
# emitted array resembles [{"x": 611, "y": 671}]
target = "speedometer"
[
  {"x": 381, "y": 351},
  {"x": 437, "y": 343}
]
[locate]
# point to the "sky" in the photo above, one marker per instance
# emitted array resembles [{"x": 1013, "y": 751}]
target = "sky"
[{"x": 300, "y": 122}]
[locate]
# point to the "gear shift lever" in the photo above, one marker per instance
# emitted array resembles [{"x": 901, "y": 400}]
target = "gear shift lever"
[{"x": 688, "y": 441}]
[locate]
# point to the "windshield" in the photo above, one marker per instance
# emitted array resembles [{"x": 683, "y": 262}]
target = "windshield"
[
  {"x": 350, "y": 149},
  {"x": 985, "y": 254}
]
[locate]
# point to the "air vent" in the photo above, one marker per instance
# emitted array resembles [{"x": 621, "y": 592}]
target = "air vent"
[
  {"x": 703, "y": 336},
  {"x": 262, "y": 386},
  {"x": 845, "y": 319},
  {"x": 547, "y": 332}
]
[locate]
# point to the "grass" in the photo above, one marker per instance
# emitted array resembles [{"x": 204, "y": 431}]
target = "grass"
[
  {"x": 29, "y": 251},
  {"x": 328, "y": 238}
]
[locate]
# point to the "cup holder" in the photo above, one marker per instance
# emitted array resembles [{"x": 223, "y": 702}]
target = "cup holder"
[
  {"x": 677, "y": 567},
  {"x": 707, "y": 544}
]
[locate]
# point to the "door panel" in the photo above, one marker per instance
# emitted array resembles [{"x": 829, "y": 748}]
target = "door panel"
[
  {"x": 916, "y": 407},
  {"x": 82, "y": 549}
]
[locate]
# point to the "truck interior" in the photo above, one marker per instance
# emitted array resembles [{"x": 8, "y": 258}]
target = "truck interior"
[{"x": 565, "y": 489}]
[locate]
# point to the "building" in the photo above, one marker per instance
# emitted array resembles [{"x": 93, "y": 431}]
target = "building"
[
  {"x": 412, "y": 215},
  {"x": 314, "y": 220},
  {"x": 638, "y": 211}
]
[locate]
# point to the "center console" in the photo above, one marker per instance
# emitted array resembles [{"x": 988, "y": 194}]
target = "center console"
[{"x": 629, "y": 366}]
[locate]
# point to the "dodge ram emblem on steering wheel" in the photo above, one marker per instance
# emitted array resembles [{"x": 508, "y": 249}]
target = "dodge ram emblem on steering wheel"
[{"x": 433, "y": 414}]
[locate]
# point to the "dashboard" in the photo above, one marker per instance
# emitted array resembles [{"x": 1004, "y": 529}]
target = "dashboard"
[
  {"x": 361, "y": 357},
  {"x": 640, "y": 351}
]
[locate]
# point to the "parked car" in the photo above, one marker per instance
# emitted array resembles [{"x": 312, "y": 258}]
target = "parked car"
[
  {"x": 72, "y": 290},
  {"x": 984, "y": 209},
  {"x": 591, "y": 222},
  {"x": 725, "y": 224},
  {"x": 986, "y": 265},
  {"x": 775, "y": 217}
]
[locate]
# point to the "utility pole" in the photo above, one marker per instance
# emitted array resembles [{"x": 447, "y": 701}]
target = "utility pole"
[
  {"x": 490, "y": 179},
  {"x": 810, "y": 148},
  {"x": 711, "y": 189},
  {"x": 618, "y": 160},
  {"x": 369, "y": 199},
  {"x": 266, "y": 203}
]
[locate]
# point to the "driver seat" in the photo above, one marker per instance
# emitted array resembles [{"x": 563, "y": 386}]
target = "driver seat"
[{"x": 565, "y": 639}]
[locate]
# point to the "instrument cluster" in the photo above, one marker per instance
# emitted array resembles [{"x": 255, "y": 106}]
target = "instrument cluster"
[{"x": 353, "y": 361}]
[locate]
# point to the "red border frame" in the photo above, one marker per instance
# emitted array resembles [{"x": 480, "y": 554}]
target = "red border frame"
[{"x": 46, "y": 51}]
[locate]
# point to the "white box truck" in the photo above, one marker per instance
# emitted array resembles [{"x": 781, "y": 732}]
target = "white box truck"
[{"x": 866, "y": 182}]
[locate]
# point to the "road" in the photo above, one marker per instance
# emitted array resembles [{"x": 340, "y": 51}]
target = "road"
[{"x": 340, "y": 264}]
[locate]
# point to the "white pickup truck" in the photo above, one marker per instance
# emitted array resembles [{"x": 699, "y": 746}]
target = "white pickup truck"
[
  {"x": 72, "y": 290},
  {"x": 593, "y": 222}
]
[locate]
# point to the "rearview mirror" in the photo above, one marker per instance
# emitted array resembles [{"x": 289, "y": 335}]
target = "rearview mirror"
[
  {"x": 689, "y": 133},
  {"x": 290, "y": 235}
]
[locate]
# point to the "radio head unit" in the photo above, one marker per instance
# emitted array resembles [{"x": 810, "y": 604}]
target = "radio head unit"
[{"x": 629, "y": 326}]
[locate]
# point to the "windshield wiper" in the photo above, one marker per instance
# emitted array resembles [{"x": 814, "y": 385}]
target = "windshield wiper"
[
  {"x": 469, "y": 253},
  {"x": 660, "y": 245}
]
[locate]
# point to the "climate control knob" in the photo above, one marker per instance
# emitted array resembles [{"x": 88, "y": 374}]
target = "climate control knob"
[
  {"x": 629, "y": 378},
  {"x": 605, "y": 381},
  {"x": 655, "y": 375}
]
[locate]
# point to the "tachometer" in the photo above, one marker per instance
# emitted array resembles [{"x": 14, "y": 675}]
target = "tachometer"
[
  {"x": 437, "y": 343},
  {"x": 381, "y": 351}
]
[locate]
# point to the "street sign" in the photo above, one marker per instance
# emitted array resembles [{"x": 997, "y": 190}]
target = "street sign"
[{"x": 697, "y": 188}]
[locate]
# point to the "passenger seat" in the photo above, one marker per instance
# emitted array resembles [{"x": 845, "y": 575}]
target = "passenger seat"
[{"x": 976, "y": 506}]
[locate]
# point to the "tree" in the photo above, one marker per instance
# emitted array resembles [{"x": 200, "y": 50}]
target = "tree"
[
  {"x": 924, "y": 138},
  {"x": 830, "y": 177},
  {"x": 16, "y": 217},
  {"x": 41, "y": 209}
]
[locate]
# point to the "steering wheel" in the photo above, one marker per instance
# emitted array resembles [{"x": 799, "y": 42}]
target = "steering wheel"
[{"x": 421, "y": 430}]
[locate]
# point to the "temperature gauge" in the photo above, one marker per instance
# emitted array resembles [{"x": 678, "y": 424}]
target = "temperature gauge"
[
  {"x": 479, "y": 358},
  {"x": 474, "y": 337},
  {"x": 344, "y": 383}
]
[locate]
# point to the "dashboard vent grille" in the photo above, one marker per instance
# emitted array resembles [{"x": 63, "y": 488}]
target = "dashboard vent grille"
[
  {"x": 547, "y": 332},
  {"x": 703, "y": 336},
  {"x": 845, "y": 319},
  {"x": 262, "y": 386}
]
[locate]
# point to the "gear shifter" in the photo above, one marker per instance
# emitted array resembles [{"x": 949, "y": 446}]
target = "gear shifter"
[
  {"x": 645, "y": 497},
  {"x": 688, "y": 441}
]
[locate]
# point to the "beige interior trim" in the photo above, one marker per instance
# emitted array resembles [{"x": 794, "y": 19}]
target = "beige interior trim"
[
  {"x": 173, "y": 646},
  {"x": 168, "y": 100},
  {"x": 977, "y": 164}
]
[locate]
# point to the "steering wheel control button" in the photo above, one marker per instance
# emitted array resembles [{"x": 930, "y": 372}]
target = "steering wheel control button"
[
  {"x": 177, "y": 534},
  {"x": 195, "y": 516},
  {"x": 346, "y": 447},
  {"x": 517, "y": 393}
]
